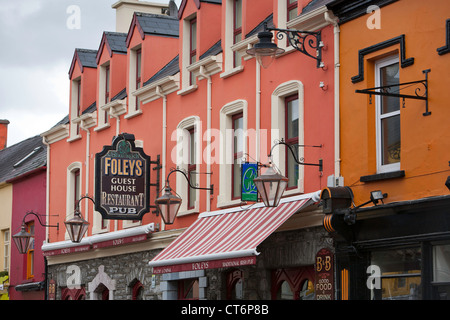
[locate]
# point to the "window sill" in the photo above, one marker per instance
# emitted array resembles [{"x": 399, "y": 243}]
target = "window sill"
[
  {"x": 383, "y": 176},
  {"x": 187, "y": 90},
  {"x": 74, "y": 138},
  {"x": 102, "y": 127},
  {"x": 133, "y": 114},
  {"x": 231, "y": 72}
]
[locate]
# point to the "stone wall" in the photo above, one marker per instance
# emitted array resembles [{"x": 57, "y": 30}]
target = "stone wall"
[{"x": 123, "y": 270}]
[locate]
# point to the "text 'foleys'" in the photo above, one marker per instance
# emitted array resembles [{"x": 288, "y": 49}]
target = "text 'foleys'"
[{"x": 123, "y": 167}]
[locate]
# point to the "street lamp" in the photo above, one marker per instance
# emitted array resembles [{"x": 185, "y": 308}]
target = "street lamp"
[
  {"x": 169, "y": 204},
  {"x": 272, "y": 184},
  {"x": 77, "y": 226},
  {"x": 305, "y": 42},
  {"x": 23, "y": 238}
]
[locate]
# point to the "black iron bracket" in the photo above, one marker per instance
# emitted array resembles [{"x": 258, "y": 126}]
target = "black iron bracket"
[
  {"x": 211, "y": 188},
  {"x": 307, "y": 42},
  {"x": 301, "y": 161},
  {"x": 394, "y": 91},
  {"x": 157, "y": 183}
]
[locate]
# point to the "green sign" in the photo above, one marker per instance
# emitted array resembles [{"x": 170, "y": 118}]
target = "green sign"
[{"x": 248, "y": 190}]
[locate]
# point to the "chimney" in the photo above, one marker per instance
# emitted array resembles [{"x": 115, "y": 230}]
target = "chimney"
[
  {"x": 3, "y": 133},
  {"x": 126, "y": 8}
]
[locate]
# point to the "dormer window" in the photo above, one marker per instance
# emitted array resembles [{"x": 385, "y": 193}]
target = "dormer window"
[
  {"x": 138, "y": 74},
  {"x": 75, "y": 107},
  {"x": 192, "y": 47},
  {"x": 237, "y": 29},
  {"x": 291, "y": 9},
  {"x": 107, "y": 91}
]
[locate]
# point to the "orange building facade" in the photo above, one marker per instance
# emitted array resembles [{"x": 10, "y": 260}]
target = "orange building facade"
[
  {"x": 393, "y": 77},
  {"x": 183, "y": 86}
]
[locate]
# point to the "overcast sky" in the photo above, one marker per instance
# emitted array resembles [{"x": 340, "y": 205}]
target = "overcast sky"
[{"x": 37, "y": 43}]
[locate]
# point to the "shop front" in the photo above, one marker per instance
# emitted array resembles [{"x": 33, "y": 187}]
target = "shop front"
[
  {"x": 246, "y": 253},
  {"x": 395, "y": 251}
]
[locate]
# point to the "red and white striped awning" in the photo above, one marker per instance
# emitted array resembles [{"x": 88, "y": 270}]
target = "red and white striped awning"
[{"x": 226, "y": 238}]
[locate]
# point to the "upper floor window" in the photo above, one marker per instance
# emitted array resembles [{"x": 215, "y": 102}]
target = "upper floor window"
[
  {"x": 6, "y": 242},
  {"x": 237, "y": 29},
  {"x": 138, "y": 74},
  {"x": 75, "y": 110},
  {"x": 291, "y": 136},
  {"x": 192, "y": 46},
  {"x": 387, "y": 116},
  {"x": 238, "y": 152},
  {"x": 291, "y": 9},
  {"x": 104, "y": 92},
  {"x": 192, "y": 194},
  {"x": 134, "y": 81}
]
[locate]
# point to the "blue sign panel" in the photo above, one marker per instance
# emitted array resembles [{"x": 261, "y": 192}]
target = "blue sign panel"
[{"x": 248, "y": 190}]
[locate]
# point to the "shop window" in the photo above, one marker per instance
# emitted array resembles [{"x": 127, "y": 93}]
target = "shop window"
[
  {"x": 188, "y": 289},
  {"x": 285, "y": 292},
  {"x": 307, "y": 290},
  {"x": 388, "y": 116},
  {"x": 235, "y": 285},
  {"x": 441, "y": 272},
  {"x": 293, "y": 283},
  {"x": 73, "y": 294},
  {"x": 137, "y": 291},
  {"x": 400, "y": 272}
]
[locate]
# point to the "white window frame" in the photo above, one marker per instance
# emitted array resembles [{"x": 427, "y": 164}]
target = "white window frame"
[
  {"x": 382, "y": 168},
  {"x": 278, "y": 130},
  {"x": 186, "y": 86},
  {"x": 229, "y": 46},
  {"x": 183, "y": 138},
  {"x": 132, "y": 110},
  {"x": 226, "y": 149},
  {"x": 75, "y": 134},
  {"x": 103, "y": 122},
  {"x": 70, "y": 191}
]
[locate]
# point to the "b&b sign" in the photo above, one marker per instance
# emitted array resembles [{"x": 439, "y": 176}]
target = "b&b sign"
[{"x": 122, "y": 179}]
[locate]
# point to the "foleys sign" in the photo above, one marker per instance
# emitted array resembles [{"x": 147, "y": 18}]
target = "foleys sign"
[{"x": 122, "y": 179}]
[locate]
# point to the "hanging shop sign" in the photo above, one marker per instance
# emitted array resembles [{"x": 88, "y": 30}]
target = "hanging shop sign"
[
  {"x": 324, "y": 269},
  {"x": 122, "y": 180},
  {"x": 249, "y": 171}
]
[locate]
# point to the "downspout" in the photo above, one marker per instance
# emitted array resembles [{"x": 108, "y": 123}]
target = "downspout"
[
  {"x": 258, "y": 111},
  {"x": 47, "y": 189},
  {"x": 164, "y": 134},
  {"x": 208, "y": 135},
  {"x": 337, "y": 146}
]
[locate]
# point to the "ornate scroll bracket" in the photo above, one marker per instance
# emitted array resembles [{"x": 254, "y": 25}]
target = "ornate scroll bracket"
[{"x": 394, "y": 91}]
